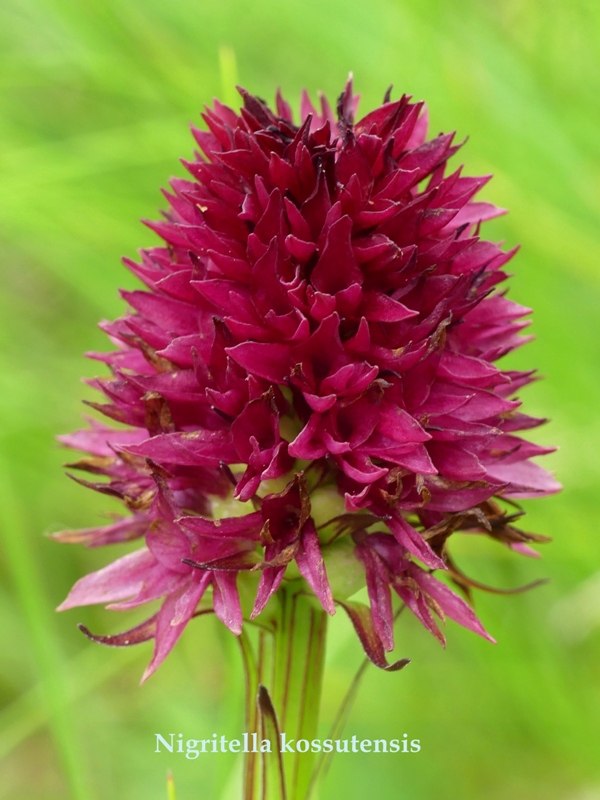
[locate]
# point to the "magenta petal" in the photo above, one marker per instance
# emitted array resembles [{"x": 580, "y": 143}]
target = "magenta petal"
[
  {"x": 335, "y": 447},
  {"x": 308, "y": 444},
  {"x": 194, "y": 448},
  {"x": 158, "y": 582},
  {"x": 525, "y": 550},
  {"x": 320, "y": 404},
  {"x": 451, "y": 604},
  {"x": 414, "y": 457},
  {"x": 476, "y": 212},
  {"x": 400, "y": 426},
  {"x": 174, "y": 614},
  {"x": 380, "y": 596},
  {"x": 417, "y": 604},
  {"x": 100, "y": 439},
  {"x": 524, "y": 478},
  {"x": 466, "y": 369},
  {"x": 124, "y": 530},
  {"x": 270, "y": 580},
  {"x": 327, "y": 275},
  {"x": 412, "y": 541},
  {"x": 360, "y": 467},
  {"x": 226, "y": 601},
  {"x": 462, "y": 497},
  {"x": 140, "y": 633},
  {"x": 360, "y": 616},
  {"x": 456, "y": 463},
  {"x": 169, "y": 546},
  {"x": 270, "y": 361},
  {"x": 381, "y": 308},
  {"x": 312, "y": 567},
  {"x": 118, "y": 581},
  {"x": 244, "y": 527},
  {"x": 186, "y": 603}
]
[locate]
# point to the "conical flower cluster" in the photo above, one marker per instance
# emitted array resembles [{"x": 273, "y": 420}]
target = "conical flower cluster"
[{"x": 310, "y": 372}]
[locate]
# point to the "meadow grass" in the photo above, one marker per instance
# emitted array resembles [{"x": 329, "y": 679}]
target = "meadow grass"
[{"x": 95, "y": 101}]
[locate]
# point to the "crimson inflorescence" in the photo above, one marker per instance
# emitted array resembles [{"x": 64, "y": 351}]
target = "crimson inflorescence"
[{"x": 308, "y": 381}]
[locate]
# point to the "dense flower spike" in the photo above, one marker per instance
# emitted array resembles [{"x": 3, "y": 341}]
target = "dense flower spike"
[{"x": 322, "y": 320}]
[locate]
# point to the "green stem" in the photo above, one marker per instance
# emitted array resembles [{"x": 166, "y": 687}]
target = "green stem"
[
  {"x": 251, "y": 672},
  {"x": 289, "y": 669}
]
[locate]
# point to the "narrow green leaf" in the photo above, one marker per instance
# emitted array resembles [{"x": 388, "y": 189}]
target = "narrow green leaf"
[{"x": 273, "y": 780}]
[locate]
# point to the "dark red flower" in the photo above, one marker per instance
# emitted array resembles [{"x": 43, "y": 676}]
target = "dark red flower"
[{"x": 322, "y": 313}]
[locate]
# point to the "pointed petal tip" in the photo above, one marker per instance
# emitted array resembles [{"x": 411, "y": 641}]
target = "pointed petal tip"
[
  {"x": 150, "y": 670},
  {"x": 330, "y": 609},
  {"x": 398, "y": 665},
  {"x": 143, "y": 632},
  {"x": 64, "y": 606}
]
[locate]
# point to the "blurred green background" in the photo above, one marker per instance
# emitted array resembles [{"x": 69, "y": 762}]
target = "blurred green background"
[{"x": 96, "y": 97}]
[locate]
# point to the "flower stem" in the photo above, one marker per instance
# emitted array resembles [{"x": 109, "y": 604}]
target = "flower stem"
[{"x": 286, "y": 679}]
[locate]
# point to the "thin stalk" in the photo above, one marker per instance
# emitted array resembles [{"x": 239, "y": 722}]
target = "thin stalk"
[
  {"x": 252, "y": 676},
  {"x": 339, "y": 723},
  {"x": 286, "y": 677},
  {"x": 297, "y": 682}
]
